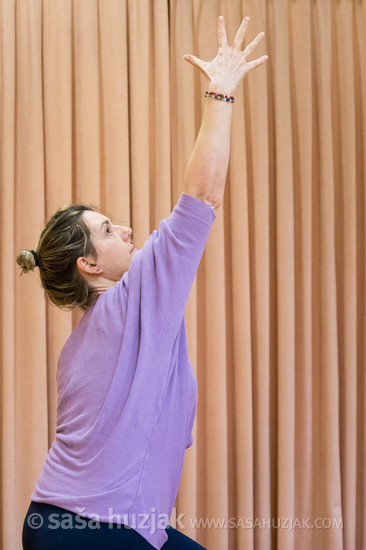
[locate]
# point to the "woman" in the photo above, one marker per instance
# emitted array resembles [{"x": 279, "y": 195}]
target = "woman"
[{"x": 127, "y": 393}]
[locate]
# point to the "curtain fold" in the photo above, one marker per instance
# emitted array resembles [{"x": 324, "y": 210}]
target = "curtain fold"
[{"x": 98, "y": 106}]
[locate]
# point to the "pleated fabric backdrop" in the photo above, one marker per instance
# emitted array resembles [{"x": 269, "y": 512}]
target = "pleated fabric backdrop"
[{"x": 98, "y": 106}]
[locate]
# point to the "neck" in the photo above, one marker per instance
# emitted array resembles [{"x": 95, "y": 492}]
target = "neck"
[{"x": 101, "y": 284}]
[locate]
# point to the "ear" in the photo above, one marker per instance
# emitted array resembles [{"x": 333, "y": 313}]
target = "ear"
[{"x": 87, "y": 265}]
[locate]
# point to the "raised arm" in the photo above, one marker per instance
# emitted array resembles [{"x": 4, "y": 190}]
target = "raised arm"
[{"x": 207, "y": 167}]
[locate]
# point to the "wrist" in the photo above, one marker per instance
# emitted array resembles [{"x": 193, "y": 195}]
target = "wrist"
[
  {"x": 220, "y": 88},
  {"x": 220, "y": 97}
]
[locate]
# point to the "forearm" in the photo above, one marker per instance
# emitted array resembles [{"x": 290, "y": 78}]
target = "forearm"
[{"x": 207, "y": 166}]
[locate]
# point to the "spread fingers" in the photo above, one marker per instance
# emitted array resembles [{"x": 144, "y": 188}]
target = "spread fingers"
[
  {"x": 239, "y": 37},
  {"x": 221, "y": 32},
  {"x": 248, "y": 50}
]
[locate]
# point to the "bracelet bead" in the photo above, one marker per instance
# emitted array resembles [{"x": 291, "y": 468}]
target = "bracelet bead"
[{"x": 221, "y": 97}]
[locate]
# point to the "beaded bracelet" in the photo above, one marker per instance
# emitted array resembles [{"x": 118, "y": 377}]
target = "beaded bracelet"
[{"x": 222, "y": 97}]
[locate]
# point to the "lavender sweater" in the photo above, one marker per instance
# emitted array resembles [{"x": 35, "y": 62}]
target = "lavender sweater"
[{"x": 127, "y": 393}]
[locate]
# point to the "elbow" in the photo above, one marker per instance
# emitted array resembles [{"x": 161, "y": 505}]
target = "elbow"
[
  {"x": 213, "y": 204},
  {"x": 212, "y": 199}
]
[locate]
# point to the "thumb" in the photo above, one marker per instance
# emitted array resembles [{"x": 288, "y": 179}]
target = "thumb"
[{"x": 193, "y": 60}]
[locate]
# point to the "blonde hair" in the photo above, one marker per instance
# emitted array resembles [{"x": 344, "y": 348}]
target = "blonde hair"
[{"x": 65, "y": 238}]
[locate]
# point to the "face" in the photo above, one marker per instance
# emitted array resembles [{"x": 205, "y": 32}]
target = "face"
[{"x": 113, "y": 246}]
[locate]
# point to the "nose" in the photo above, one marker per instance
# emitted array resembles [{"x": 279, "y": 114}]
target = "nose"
[{"x": 126, "y": 233}]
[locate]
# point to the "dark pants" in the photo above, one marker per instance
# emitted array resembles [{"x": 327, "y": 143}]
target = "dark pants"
[{"x": 106, "y": 537}]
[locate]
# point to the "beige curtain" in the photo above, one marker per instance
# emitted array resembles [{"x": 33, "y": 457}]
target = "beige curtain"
[{"x": 97, "y": 105}]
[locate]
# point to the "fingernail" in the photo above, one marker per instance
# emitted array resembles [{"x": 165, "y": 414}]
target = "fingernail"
[
  {"x": 221, "y": 18},
  {"x": 246, "y": 19}
]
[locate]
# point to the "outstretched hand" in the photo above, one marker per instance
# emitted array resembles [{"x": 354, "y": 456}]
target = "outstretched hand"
[{"x": 230, "y": 65}]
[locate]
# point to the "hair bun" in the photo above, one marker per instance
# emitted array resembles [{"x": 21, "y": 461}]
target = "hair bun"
[{"x": 26, "y": 260}]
